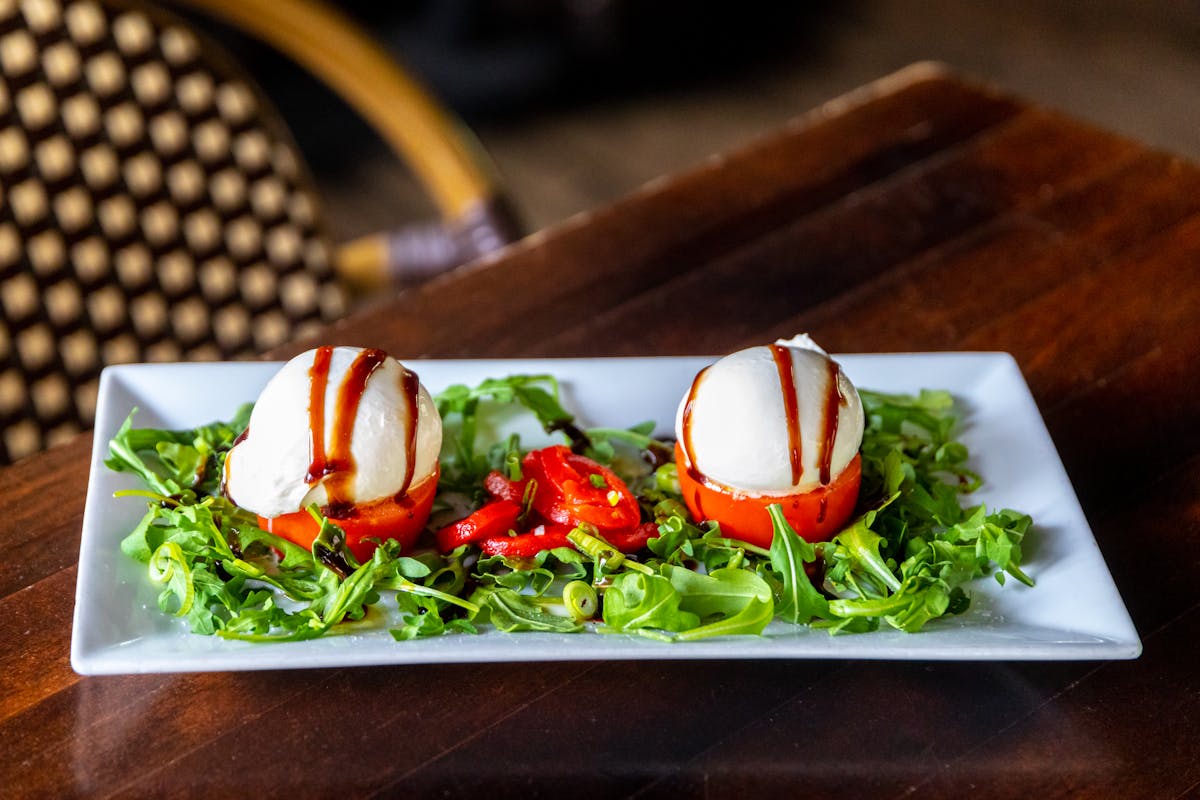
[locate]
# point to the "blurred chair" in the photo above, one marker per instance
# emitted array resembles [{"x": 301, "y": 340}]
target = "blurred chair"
[{"x": 153, "y": 206}]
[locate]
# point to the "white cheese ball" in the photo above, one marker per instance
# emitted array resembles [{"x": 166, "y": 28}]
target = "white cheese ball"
[
  {"x": 266, "y": 472},
  {"x": 737, "y": 427}
]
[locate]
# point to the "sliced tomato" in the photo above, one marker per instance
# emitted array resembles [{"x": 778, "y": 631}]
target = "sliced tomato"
[
  {"x": 816, "y": 515},
  {"x": 527, "y": 545},
  {"x": 574, "y": 490},
  {"x": 493, "y": 519},
  {"x": 401, "y": 519}
]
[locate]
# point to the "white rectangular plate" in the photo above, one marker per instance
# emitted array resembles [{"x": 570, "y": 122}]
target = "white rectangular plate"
[{"x": 1074, "y": 612}]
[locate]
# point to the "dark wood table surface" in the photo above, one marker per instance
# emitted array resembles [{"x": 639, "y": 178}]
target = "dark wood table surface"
[{"x": 920, "y": 213}]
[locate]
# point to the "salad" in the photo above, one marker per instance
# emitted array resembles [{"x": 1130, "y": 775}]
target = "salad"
[{"x": 411, "y": 517}]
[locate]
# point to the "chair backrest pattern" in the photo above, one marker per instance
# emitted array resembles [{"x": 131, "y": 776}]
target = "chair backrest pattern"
[{"x": 152, "y": 208}]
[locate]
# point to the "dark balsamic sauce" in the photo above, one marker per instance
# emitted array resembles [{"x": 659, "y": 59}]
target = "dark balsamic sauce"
[
  {"x": 685, "y": 445},
  {"x": 834, "y": 400},
  {"x": 685, "y": 441},
  {"x": 340, "y": 466},
  {"x": 791, "y": 407},
  {"x": 241, "y": 437},
  {"x": 337, "y": 465},
  {"x": 580, "y": 441},
  {"x": 318, "y": 381},
  {"x": 410, "y": 388},
  {"x": 340, "y": 510},
  {"x": 659, "y": 452}
]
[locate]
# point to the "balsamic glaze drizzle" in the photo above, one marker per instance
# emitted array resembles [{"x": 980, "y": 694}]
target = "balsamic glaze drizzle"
[
  {"x": 834, "y": 401},
  {"x": 686, "y": 433},
  {"x": 791, "y": 408}
]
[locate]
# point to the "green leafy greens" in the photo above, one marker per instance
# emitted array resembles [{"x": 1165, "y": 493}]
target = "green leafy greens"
[
  {"x": 905, "y": 560},
  {"x": 226, "y": 576}
]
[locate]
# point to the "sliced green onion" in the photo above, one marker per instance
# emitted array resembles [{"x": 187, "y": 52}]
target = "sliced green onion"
[
  {"x": 666, "y": 479},
  {"x": 604, "y": 554},
  {"x": 581, "y": 600},
  {"x": 512, "y": 465},
  {"x": 527, "y": 501}
]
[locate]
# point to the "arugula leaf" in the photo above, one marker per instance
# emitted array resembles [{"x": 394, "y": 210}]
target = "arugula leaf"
[
  {"x": 463, "y": 467},
  {"x": 422, "y": 618},
  {"x": 673, "y": 607},
  {"x": 169, "y": 567},
  {"x": 799, "y": 600},
  {"x": 509, "y": 611},
  {"x": 636, "y": 602},
  {"x": 723, "y": 592},
  {"x": 125, "y": 455},
  {"x": 531, "y": 575},
  {"x": 750, "y": 620},
  {"x": 733, "y": 601},
  {"x": 856, "y": 552},
  {"x": 172, "y": 462},
  {"x": 904, "y": 561}
]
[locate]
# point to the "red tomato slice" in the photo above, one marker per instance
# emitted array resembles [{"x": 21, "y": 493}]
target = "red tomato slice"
[
  {"x": 527, "y": 545},
  {"x": 574, "y": 490},
  {"x": 401, "y": 519},
  {"x": 491, "y": 520},
  {"x": 816, "y": 515}
]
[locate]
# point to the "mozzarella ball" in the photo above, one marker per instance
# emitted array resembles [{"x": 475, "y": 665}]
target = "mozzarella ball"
[
  {"x": 772, "y": 419},
  {"x": 269, "y": 471}
]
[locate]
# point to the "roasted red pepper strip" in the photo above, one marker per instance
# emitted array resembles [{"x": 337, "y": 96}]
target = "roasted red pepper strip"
[
  {"x": 501, "y": 488},
  {"x": 633, "y": 540},
  {"x": 527, "y": 545},
  {"x": 492, "y": 520},
  {"x": 574, "y": 490},
  {"x": 550, "y": 535}
]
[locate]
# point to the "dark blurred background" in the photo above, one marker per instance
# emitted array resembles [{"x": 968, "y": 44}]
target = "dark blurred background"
[{"x": 581, "y": 101}]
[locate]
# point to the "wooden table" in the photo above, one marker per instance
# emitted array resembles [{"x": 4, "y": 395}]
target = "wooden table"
[{"x": 919, "y": 213}]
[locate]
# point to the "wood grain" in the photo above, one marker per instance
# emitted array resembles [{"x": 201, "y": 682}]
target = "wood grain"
[{"x": 921, "y": 213}]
